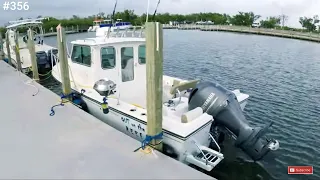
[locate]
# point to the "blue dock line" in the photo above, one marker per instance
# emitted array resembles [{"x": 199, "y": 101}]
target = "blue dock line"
[
  {"x": 148, "y": 139},
  {"x": 61, "y": 104}
]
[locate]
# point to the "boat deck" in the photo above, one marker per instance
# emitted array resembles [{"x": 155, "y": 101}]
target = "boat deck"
[{"x": 70, "y": 144}]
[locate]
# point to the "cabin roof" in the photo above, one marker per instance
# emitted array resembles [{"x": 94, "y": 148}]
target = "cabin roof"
[{"x": 105, "y": 41}]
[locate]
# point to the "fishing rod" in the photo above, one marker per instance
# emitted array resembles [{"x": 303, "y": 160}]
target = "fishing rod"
[
  {"x": 155, "y": 11},
  {"x": 114, "y": 10},
  {"x": 154, "y": 14}
]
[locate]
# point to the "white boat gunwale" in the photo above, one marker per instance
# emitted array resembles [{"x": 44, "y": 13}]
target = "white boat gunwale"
[{"x": 181, "y": 137}]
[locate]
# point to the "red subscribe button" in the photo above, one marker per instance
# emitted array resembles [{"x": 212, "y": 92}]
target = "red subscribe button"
[{"x": 300, "y": 170}]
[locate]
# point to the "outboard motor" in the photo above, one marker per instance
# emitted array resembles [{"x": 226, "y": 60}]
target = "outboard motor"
[
  {"x": 41, "y": 58},
  {"x": 223, "y": 105},
  {"x": 42, "y": 62}
]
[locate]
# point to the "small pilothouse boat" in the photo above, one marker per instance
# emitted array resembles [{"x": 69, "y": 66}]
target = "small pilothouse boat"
[
  {"x": 112, "y": 70},
  {"x": 42, "y": 50}
]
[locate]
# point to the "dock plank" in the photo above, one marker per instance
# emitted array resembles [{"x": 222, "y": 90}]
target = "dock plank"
[{"x": 70, "y": 144}]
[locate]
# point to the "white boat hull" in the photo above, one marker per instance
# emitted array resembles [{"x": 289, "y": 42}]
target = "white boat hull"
[{"x": 180, "y": 148}]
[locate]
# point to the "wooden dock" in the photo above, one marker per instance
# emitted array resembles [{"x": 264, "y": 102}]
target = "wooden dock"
[
  {"x": 315, "y": 37},
  {"x": 72, "y": 144},
  {"x": 68, "y": 30},
  {"x": 55, "y": 33}
]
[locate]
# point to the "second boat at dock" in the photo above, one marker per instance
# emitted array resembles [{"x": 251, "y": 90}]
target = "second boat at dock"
[{"x": 41, "y": 48}]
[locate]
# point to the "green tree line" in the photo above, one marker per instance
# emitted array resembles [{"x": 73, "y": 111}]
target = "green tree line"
[{"x": 241, "y": 19}]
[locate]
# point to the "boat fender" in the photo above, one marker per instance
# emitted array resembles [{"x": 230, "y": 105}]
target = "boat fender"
[
  {"x": 104, "y": 106},
  {"x": 76, "y": 99},
  {"x": 79, "y": 101},
  {"x": 170, "y": 151}
]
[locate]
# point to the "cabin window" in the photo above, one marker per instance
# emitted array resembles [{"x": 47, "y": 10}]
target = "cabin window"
[
  {"x": 81, "y": 54},
  {"x": 142, "y": 54},
  {"x": 108, "y": 58},
  {"x": 127, "y": 64}
]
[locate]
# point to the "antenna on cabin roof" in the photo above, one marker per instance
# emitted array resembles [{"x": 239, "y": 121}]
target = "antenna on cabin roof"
[
  {"x": 155, "y": 11},
  {"x": 114, "y": 10}
]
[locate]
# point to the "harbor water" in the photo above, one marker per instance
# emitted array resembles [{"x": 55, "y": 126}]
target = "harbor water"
[{"x": 282, "y": 77}]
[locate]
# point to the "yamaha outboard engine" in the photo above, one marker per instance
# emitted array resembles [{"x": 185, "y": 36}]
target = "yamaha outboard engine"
[
  {"x": 42, "y": 62},
  {"x": 41, "y": 58},
  {"x": 223, "y": 105}
]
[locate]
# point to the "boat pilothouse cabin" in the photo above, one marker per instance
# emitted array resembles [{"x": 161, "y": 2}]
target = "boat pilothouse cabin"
[{"x": 112, "y": 70}]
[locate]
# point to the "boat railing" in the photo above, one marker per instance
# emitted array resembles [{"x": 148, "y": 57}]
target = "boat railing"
[
  {"x": 129, "y": 32},
  {"x": 215, "y": 142},
  {"x": 207, "y": 158},
  {"x": 87, "y": 39},
  {"x": 55, "y": 59},
  {"x": 204, "y": 156}
]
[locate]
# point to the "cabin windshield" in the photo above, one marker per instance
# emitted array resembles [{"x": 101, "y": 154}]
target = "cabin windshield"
[
  {"x": 142, "y": 54},
  {"x": 108, "y": 57},
  {"x": 127, "y": 64},
  {"x": 81, "y": 54}
]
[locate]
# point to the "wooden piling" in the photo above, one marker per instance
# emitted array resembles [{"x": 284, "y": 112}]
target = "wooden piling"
[
  {"x": 63, "y": 60},
  {"x": 8, "y": 48},
  {"x": 32, "y": 52},
  {"x": 17, "y": 51},
  {"x": 1, "y": 48},
  {"x": 154, "y": 65}
]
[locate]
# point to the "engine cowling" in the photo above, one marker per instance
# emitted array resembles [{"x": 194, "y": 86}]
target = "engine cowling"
[{"x": 223, "y": 105}]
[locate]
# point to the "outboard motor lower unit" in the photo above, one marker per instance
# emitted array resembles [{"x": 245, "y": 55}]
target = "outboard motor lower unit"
[{"x": 223, "y": 105}]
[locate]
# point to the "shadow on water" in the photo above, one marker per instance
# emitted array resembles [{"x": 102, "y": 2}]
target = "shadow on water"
[{"x": 238, "y": 165}]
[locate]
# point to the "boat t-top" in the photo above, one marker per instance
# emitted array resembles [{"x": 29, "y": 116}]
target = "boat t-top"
[{"x": 196, "y": 114}]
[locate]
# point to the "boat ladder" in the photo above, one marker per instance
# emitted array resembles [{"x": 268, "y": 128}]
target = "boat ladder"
[{"x": 208, "y": 158}]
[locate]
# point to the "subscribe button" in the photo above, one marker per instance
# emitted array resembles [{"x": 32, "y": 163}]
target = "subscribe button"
[{"x": 300, "y": 170}]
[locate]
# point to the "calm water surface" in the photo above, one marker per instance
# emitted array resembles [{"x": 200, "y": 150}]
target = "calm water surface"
[{"x": 282, "y": 77}]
